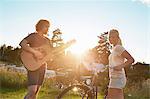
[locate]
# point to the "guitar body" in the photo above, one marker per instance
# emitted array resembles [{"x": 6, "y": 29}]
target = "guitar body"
[{"x": 32, "y": 64}]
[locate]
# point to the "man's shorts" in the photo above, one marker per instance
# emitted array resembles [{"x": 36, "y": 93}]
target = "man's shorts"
[{"x": 36, "y": 77}]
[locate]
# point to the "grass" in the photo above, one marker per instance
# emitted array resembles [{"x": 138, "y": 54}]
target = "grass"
[
  {"x": 7, "y": 93},
  {"x": 44, "y": 93},
  {"x": 10, "y": 79},
  {"x": 13, "y": 86},
  {"x": 138, "y": 92}
]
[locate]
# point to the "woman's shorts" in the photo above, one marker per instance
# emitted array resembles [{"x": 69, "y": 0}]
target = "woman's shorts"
[
  {"x": 117, "y": 82},
  {"x": 36, "y": 77}
]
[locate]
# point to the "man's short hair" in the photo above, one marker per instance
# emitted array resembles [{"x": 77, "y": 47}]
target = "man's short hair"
[{"x": 40, "y": 24}]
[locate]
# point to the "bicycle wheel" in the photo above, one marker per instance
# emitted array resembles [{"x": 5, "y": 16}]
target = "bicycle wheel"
[{"x": 76, "y": 92}]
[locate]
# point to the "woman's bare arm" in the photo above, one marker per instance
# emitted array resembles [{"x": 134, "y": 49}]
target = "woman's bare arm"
[{"x": 129, "y": 61}]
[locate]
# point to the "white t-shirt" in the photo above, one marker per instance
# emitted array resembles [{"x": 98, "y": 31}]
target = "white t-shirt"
[{"x": 116, "y": 59}]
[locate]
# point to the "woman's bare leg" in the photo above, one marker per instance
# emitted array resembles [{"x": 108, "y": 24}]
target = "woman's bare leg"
[{"x": 115, "y": 93}]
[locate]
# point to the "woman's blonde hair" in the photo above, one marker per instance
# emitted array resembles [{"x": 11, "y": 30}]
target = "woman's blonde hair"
[{"x": 114, "y": 31}]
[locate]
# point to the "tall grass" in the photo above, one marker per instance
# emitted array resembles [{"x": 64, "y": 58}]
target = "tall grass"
[
  {"x": 13, "y": 85},
  {"x": 138, "y": 90},
  {"x": 11, "y": 79}
]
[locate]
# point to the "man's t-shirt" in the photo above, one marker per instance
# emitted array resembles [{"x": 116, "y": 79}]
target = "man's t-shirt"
[{"x": 35, "y": 40}]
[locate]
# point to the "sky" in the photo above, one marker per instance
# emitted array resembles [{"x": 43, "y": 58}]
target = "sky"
[{"x": 83, "y": 20}]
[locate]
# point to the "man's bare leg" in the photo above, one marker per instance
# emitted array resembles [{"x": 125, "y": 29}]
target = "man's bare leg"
[
  {"x": 37, "y": 91},
  {"x": 31, "y": 92}
]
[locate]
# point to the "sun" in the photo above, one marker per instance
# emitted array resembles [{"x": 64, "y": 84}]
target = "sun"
[
  {"x": 83, "y": 43},
  {"x": 78, "y": 48}
]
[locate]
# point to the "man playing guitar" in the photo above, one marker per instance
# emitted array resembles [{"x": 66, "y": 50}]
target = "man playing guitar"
[
  {"x": 36, "y": 39},
  {"x": 36, "y": 51}
]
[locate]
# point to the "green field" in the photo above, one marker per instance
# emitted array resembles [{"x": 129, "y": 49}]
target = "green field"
[
  {"x": 44, "y": 93},
  {"x": 13, "y": 86}
]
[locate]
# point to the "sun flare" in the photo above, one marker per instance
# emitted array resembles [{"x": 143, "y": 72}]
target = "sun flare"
[{"x": 79, "y": 48}]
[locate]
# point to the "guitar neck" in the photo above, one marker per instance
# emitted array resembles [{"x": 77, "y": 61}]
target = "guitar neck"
[
  {"x": 56, "y": 51},
  {"x": 52, "y": 52},
  {"x": 60, "y": 48}
]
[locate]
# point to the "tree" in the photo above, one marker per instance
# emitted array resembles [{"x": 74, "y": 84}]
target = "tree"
[
  {"x": 56, "y": 38},
  {"x": 102, "y": 50},
  {"x": 57, "y": 42},
  {"x": 10, "y": 54},
  {"x": 2, "y": 51},
  {"x": 101, "y": 53}
]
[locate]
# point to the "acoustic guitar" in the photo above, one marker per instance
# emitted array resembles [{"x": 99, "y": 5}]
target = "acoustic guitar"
[{"x": 32, "y": 63}]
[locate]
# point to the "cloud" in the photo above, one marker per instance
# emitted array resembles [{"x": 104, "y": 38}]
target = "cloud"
[{"x": 145, "y": 2}]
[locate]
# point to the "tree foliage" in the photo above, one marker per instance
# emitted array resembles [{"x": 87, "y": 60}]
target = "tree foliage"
[
  {"x": 102, "y": 50},
  {"x": 10, "y": 54}
]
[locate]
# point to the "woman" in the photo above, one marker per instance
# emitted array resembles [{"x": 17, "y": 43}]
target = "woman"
[
  {"x": 118, "y": 59},
  {"x": 36, "y": 39}
]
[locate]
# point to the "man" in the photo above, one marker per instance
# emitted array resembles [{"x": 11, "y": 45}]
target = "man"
[{"x": 36, "y": 39}]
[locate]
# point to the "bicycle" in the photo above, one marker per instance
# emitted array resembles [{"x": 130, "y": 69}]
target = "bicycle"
[
  {"x": 85, "y": 88},
  {"x": 60, "y": 75}
]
